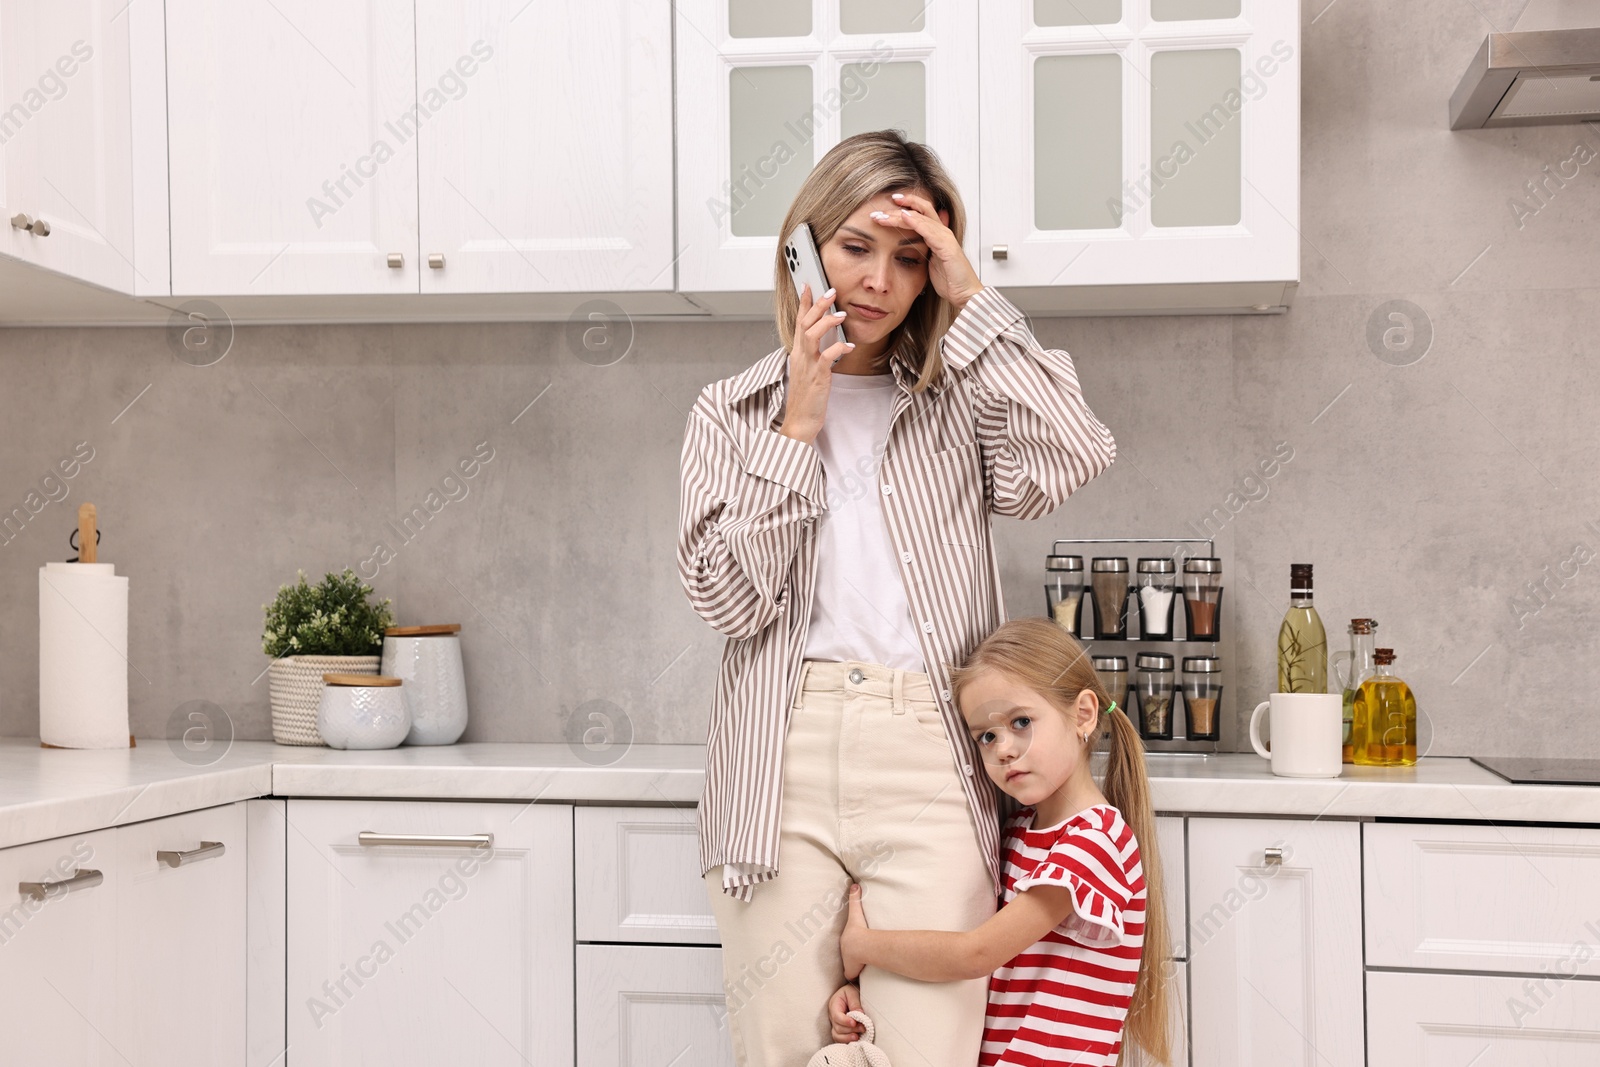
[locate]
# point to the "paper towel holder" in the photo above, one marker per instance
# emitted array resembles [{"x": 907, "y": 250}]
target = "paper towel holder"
[{"x": 72, "y": 540}]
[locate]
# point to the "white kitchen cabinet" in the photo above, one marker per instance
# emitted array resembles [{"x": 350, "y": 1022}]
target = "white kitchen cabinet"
[
  {"x": 648, "y": 1006},
  {"x": 636, "y": 872},
  {"x": 546, "y": 165},
  {"x": 180, "y": 920},
  {"x": 1170, "y": 844},
  {"x": 1177, "y": 973},
  {"x": 66, "y": 154},
  {"x": 58, "y": 979},
  {"x": 1482, "y": 898},
  {"x": 765, "y": 88},
  {"x": 455, "y": 948},
  {"x": 293, "y": 147},
  {"x": 1275, "y": 965},
  {"x": 1144, "y": 143},
  {"x": 1481, "y": 1020}
]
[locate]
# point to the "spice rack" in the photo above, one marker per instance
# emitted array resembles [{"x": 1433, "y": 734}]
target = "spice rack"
[{"x": 1175, "y": 647}]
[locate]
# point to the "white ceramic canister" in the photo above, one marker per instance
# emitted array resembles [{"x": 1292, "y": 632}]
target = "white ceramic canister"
[
  {"x": 428, "y": 658},
  {"x": 363, "y": 711}
]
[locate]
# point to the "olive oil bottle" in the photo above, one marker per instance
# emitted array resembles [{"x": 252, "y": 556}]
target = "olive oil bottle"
[
  {"x": 1302, "y": 642},
  {"x": 1383, "y": 726}
]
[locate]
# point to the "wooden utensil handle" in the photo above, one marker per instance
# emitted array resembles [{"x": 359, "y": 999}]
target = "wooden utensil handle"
[{"x": 86, "y": 534}]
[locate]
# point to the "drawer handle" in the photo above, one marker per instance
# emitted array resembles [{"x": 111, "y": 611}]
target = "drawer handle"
[
  {"x": 1000, "y": 252},
  {"x": 207, "y": 850},
  {"x": 1272, "y": 857},
  {"x": 397, "y": 260},
  {"x": 436, "y": 260},
  {"x": 81, "y": 879},
  {"x": 369, "y": 839}
]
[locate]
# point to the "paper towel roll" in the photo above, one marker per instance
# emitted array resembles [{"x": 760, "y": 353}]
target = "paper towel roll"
[{"x": 83, "y": 656}]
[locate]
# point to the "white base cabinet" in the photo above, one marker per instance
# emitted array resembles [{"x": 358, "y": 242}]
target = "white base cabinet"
[
  {"x": 138, "y": 961},
  {"x": 1482, "y": 1020},
  {"x": 1275, "y": 942},
  {"x": 651, "y": 1005},
  {"x": 433, "y": 949},
  {"x": 181, "y": 938},
  {"x": 57, "y": 979}
]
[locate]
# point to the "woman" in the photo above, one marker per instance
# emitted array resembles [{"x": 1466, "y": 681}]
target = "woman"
[{"x": 835, "y": 527}]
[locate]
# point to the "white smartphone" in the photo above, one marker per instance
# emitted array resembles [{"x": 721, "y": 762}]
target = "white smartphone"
[{"x": 805, "y": 268}]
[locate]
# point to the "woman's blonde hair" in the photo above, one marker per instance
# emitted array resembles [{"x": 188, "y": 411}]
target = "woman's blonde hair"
[
  {"x": 1041, "y": 656},
  {"x": 852, "y": 172}
]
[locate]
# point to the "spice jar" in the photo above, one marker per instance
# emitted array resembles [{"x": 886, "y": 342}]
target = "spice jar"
[
  {"x": 1202, "y": 597},
  {"x": 1113, "y": 672},
  {"x": 1158, "y": 592},
  {"x": 1063, "y": 590},
  {"x": 1155, "y": 695},
  {"x": 1108, "y": 581},
  {"x": 1202, "y": 689}
]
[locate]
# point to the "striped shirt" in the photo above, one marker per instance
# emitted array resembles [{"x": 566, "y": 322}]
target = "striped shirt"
[
  {"x": 1064, "y": 999},
  {"x": 1005, "y": 431}
]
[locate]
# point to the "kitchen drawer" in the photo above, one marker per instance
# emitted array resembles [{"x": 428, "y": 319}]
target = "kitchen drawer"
[
  {"x": 651, "y": 1005},
  {"x": 637, "y": 877},
  {"x": 1481, "y": 1020},
  {"x": 1482, "y": 898}
]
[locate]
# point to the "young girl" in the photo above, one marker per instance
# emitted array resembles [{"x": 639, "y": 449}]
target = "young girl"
[{"x": 1075, "y": 950}]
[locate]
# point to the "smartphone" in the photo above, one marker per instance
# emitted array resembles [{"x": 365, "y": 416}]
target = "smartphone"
[{"x": 805, "y": 268}]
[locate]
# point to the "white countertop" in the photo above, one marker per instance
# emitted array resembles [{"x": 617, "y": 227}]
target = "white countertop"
[{"x": 47, "y": 793}]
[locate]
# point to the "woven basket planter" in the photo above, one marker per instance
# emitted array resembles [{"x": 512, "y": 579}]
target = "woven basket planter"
[{"x": 296, "y": 687}]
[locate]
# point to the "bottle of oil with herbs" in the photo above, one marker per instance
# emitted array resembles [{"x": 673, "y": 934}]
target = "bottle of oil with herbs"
[
  {"x": 1302, "y": 642},
  {"x": 1383, "y": 727}
]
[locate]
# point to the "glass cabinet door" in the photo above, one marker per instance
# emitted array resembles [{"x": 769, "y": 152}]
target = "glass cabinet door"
[
  {"x": 766, "y": 87},
  {"x": 1140, "y": 142}
]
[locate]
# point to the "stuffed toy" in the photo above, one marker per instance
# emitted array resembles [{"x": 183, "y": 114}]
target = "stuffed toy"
[{"x": 858, "y": 1053}]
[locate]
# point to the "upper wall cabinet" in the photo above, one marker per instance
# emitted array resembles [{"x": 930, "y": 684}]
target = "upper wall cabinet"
[
  {"x": 66, "y": 162},
  {"x": 766, "y": 87},
  {"x": 548, "y": 167},
  {"x": 528, "y": 145},
  {"x": 1148, "y": 143},
  {"x": 292, "y": 140}
]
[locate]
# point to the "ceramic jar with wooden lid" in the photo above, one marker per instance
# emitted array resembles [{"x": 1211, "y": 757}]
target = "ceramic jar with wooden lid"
[
  {"x": 362, "y": 711},
  {"x": 428, "y": 658}
]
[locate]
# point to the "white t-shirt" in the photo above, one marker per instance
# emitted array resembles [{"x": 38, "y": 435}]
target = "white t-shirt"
[{"x": 859, "y": 609}]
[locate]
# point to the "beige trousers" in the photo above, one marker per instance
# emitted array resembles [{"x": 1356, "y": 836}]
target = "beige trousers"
[{"x": 871, "y": 794}]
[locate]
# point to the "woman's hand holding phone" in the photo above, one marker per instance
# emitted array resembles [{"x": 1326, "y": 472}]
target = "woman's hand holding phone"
[{"x": 811, "y": 369}]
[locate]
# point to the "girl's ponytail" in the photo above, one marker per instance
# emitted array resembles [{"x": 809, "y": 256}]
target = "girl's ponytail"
[
  {"x": 1045, "y": 658},
  {"x": 1127, "y": 787}
]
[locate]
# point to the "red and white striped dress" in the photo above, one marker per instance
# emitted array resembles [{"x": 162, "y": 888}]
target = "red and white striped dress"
[{"x": 1064, "y": 999}]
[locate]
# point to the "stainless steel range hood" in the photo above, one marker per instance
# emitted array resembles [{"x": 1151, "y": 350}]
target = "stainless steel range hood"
[{"x": 1544, "y": 72}]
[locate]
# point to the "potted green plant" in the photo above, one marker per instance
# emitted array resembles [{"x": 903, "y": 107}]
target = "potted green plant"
[{"x": 331, "y": 627}]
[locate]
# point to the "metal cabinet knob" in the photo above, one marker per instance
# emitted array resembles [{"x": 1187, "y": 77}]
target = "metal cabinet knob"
[
  {"x": 436, "y": 260},
  {"x": 37, "y": 227},
  {"x": 1272, "y": 857},
  {"x": 81, "y": 879},
  {"x": 397, "y": 260},
  {"x": 1001, "y": 252},
  {"x": 207, "y": 850}
]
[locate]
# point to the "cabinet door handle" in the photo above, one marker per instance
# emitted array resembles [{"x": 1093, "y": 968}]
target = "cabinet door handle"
[
  {"x": 370, "y": 839},
  {"x": 397, "y": 260},
  {"x": 81, "y": 879},
  {"x": 436, "y": 260},
  {"x": 1272, "y": 857},
  {"x": 207, "y": 850},
  {"x": 37, "y": 227},
  {"x": 1000, "y": 252}
]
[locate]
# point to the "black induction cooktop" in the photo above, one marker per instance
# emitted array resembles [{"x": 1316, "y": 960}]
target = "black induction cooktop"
[{"x": 1524, "y": 771}]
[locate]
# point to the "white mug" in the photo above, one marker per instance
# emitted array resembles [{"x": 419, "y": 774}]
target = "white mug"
[{"x": 1307, "y": 734}]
